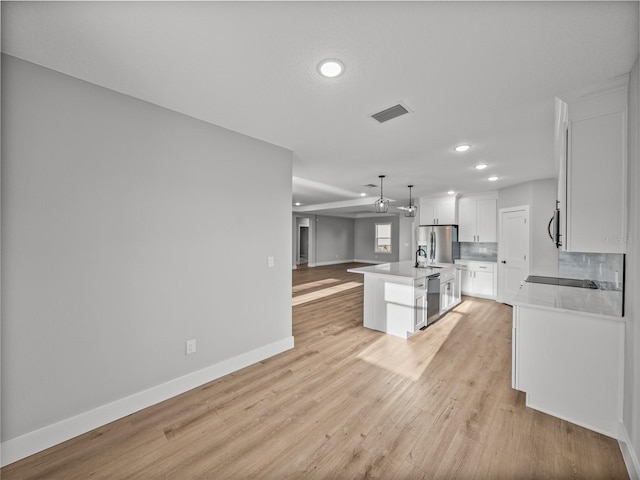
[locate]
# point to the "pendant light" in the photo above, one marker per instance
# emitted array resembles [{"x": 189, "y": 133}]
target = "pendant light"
[
  {"x": 382, "y": 205},
  {"x": 411, "y": 209}
]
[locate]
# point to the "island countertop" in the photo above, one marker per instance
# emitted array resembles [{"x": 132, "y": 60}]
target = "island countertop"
[{"x": 404, "y": 269}]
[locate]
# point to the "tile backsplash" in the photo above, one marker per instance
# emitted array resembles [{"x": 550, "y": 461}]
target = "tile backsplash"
[
  {"x": 486, "y": 251},
  {"x": 605, "y": 268}
]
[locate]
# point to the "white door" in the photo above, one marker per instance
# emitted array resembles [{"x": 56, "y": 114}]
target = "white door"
[{"x": 513, "y": 251}]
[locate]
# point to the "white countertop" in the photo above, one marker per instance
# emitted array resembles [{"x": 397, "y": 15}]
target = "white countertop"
[
  {"x": 404, "y": 269},
  {"x": 595, "y": 302}
]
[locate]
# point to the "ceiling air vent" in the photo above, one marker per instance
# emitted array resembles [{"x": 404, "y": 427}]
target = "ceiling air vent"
[
  {"x": 370, "y": 185},
  {"x": 390, "y": 113}
]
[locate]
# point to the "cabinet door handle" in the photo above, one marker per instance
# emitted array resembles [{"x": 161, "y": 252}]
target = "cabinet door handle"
[{"x": 478, "y": 237}]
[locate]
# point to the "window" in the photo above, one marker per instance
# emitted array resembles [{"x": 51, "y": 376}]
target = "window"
[{"x": 383, "y": 238}]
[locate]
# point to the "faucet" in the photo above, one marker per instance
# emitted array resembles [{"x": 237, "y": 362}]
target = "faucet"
[{"x": 424, "y": 254}]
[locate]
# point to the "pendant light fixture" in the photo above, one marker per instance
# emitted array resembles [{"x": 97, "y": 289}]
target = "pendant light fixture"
[
  {"x": 411, "y": 209},
  {"x": 382, "y": 205}
]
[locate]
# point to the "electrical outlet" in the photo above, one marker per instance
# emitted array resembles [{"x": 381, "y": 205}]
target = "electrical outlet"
[
  {"x": 271, "y": 261},
  {"x": 191, "y": 347}
]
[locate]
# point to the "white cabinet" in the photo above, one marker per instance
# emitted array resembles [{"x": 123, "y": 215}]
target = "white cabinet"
[
  {"x": 449, "y": 289},
  {"x": 570, "y": 365},
  {"x": 591, "y": 131},
  {"x": 437, "y": 211},
  {"x": 477, "y": 279},
  {"x": 395, "y": 305},
  {"x": 420, "y": 304},
  {"x": 477, "y": 219}
]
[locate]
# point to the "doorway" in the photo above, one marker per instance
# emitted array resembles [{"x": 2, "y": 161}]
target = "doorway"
[
  {"x": 513, "y": 251},
  {"x": 303, "y": 245}
]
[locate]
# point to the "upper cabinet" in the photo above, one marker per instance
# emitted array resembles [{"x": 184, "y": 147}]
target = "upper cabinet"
[
  {"x": 438, "y": 211},
  {"x": 477, "y": 218},
  {"x": 591, "y": 145}
]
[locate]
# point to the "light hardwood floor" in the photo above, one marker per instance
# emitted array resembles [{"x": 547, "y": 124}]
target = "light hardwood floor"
[{"x": 348, "y": 402}]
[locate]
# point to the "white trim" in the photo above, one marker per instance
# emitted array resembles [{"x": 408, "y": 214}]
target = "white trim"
[
  {"x": 331, "y": 262},
  {"x": 43, "y": 438},
  {"x": 481, "y": 196},
  {"x": 628, "y": 454},
  {"x": 479, "y": 295},
  {"x": 604, "y": 88},
  {"x": 337, "y": 262}
]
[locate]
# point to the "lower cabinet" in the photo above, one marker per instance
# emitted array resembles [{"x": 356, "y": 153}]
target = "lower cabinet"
[
  {"x": 420, "y": 304},
  {"x": 395, "y": 305},
  {"x": 399, "y": 305},
  {"x": 478, "y": 279},
  {"x": 449, "y": 290},
  {"x": 570, "y": 365}
]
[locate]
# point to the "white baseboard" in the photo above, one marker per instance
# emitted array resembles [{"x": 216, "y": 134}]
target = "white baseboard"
[
  {"x": 479, "y": 295},
  {"x": 332, "y": 262},
  {"x": 43, "y": 438},
  {"x": 337, "y": 262},
  {"x": 629, "y": 454}
]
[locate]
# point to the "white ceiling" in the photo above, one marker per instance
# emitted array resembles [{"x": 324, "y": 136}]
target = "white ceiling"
[{"x": 483, "y": 73}]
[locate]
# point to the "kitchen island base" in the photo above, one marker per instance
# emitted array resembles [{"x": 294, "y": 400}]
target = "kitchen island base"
[{"x": 397, "y": 300}]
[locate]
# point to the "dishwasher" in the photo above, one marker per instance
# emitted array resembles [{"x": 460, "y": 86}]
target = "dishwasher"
[{"x": 433, "y": 298}]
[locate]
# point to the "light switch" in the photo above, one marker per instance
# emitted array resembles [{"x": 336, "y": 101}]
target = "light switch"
[{"x": 271, "y": 261}]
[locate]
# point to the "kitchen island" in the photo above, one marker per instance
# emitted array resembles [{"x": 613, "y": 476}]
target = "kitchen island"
[{"x": 396, "y": 296}]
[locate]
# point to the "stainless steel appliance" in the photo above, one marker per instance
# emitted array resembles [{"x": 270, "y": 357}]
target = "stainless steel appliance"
[
  {"x": 433, "y": 298},
  {"x": 439, "y": 241}
]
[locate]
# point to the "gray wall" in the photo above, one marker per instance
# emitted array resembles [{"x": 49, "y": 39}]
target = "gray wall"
[
  {"x": 541, "y": 196},
  {"x": 405, "y": 238},
  {"x": 121, "y": 241},
  {"x": 365, "y": 239},
  {"x": 631, "y": 415},
  {"x": 334, "y": 241}
]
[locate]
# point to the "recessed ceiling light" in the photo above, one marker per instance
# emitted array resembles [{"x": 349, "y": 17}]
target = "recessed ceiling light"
[
  {"x": 297, "y": 204},
  {"x": 481, "y": 166},
  {"x": 363, "y": 194},
  {"x": 462, "y": 148},
  {"x": 330, "y": 68},
  {"x": 492, "y": 178},
  {"x": 451, "y": 192}
]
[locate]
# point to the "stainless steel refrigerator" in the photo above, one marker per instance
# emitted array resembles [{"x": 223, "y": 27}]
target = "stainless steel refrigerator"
[{"x": 440, "y": 242}]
